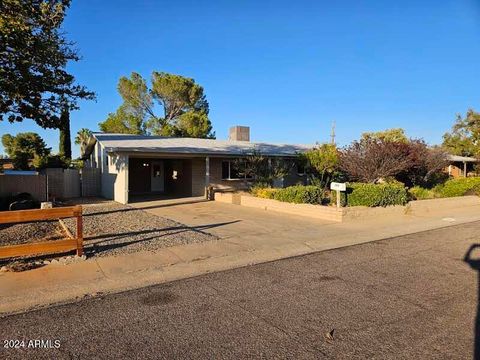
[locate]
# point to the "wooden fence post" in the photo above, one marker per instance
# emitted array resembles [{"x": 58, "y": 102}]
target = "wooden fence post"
[
  {"x": 44, "y": 247},
  {"x": 78, "y": 210}
]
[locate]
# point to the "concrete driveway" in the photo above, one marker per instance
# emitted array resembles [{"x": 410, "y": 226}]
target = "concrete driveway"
[{"x": 229, "y": 221}]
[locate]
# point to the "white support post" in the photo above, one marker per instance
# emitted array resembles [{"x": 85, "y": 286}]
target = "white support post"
[
  {"x": 207, "y": 174},
  {"x": 465, "y": 168}
]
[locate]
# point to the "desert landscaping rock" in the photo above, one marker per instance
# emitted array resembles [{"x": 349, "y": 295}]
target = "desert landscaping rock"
[
  {"x": 110, "y": 229},
  {"x": 113, "y": 229},
  {"x": 29, "y": 232},
  {"x": 70, "y": 259},
  {"x": 20, "y": 265}
]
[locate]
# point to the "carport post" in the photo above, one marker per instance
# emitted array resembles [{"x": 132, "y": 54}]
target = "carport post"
[
  {"x": 207, "y": 174},
  {"x": 465, "y": 168}
]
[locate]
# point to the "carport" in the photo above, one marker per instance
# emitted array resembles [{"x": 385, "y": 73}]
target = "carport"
[{"x": 159, "y": 178}]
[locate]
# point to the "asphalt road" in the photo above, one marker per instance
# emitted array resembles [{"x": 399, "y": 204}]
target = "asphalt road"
[{"x": 409, "y": 297}]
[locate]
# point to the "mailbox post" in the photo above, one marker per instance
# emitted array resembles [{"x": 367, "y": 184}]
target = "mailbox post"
[{"x": 338, "y": 187}]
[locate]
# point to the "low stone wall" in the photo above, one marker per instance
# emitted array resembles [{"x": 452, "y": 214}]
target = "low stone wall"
[
  {"x": 308, "y": 210},
  {"x": 348, "y": 213},
  {"x": 443, "y": 203}
]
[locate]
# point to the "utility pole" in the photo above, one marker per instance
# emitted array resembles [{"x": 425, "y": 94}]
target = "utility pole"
[{"x": 332, "y": 135}]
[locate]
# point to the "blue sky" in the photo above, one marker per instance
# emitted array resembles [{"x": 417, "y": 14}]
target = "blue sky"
[{"x": 286, "y": 69}]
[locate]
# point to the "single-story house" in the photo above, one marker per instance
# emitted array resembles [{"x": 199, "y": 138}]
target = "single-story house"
[
  {"x": 134, "y": 165},
  {"x": 461, "y": 166}
]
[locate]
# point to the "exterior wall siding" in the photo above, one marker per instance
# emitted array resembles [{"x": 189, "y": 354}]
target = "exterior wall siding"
[
  {"x": 107, "y": 184},
  {"x": 198, "y": 177}
]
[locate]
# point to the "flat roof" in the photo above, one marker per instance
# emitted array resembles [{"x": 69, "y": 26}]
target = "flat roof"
[
  {"x": 462, "y": 158},
  {"x": 195, "y": 146}
]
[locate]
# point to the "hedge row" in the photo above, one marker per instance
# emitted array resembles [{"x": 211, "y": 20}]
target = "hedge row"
[
  {"x": 419, "y": 193},
  {"x": 263, "y": 192},
  {"x": 453, "y": 187},
  {"x": 293, "y": 194},
  {"x": 358, "y": 194},
  {"x": 361, "y": 194},
  {"x": 458, "y": 187}
]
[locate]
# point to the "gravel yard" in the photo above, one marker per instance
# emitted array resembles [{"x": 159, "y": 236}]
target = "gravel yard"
[
  {"x": 28, "y": 232},
  {"x": 111, "y": 229}
]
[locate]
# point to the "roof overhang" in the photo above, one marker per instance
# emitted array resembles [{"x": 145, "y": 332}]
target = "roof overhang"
[
  {"x": 457, "y": 158},
  {"x": 193, "y": 147},
  {"x": 186, "y": 154}
]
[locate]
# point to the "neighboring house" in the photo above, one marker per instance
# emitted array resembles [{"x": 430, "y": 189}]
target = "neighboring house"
[
  {"x": 6, "y": 164},
  {"x": 133, "y": 165},
  {"x": 461, "y": 166}
]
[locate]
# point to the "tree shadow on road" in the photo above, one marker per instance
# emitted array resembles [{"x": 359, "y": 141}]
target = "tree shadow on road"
[{"x": 474, "y": 263}]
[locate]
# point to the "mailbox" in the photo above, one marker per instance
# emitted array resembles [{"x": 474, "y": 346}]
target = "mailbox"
[{"x": 338, "y": 186}]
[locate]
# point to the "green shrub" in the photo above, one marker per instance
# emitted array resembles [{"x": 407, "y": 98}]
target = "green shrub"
[
  {"x": 459, "y": 187},
  {"x": 419, "y": 193},
  {"x": 263, "y": 192},
  {"x": 300, "y": 194},
  {"x": 363, "y": 194}
]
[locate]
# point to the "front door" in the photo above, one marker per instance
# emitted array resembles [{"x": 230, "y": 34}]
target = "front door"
[
  {"x": 139, "y": 171},
  {"x": 158, "y": 176}
]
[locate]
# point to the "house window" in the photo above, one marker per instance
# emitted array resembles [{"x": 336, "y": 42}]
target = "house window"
[
  {"x": 230, "y": 172},
  {"x": 225, "y": 170},
  {"x": 300, "y": 169}
]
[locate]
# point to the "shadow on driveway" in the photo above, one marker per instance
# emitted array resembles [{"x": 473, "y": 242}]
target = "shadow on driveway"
[
  {"x": 99, "y": 243},
  {"x": 475, "y": 265}
]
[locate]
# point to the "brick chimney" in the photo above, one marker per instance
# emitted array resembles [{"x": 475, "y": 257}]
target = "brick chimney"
[{"x": 239, "y": 133}]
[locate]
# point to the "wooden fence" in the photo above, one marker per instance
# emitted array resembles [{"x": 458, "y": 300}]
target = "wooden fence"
[
  {"x": 45, "y": 247},
  {"x": 53, "y": 183},
  {"x": 32, "y": 184}
]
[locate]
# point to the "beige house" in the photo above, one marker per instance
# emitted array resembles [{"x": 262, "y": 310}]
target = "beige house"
[{"x": 135, "y": 165}]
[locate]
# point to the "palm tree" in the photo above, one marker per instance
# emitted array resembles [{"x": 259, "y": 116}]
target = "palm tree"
[{"x": 86, "y": 141}]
